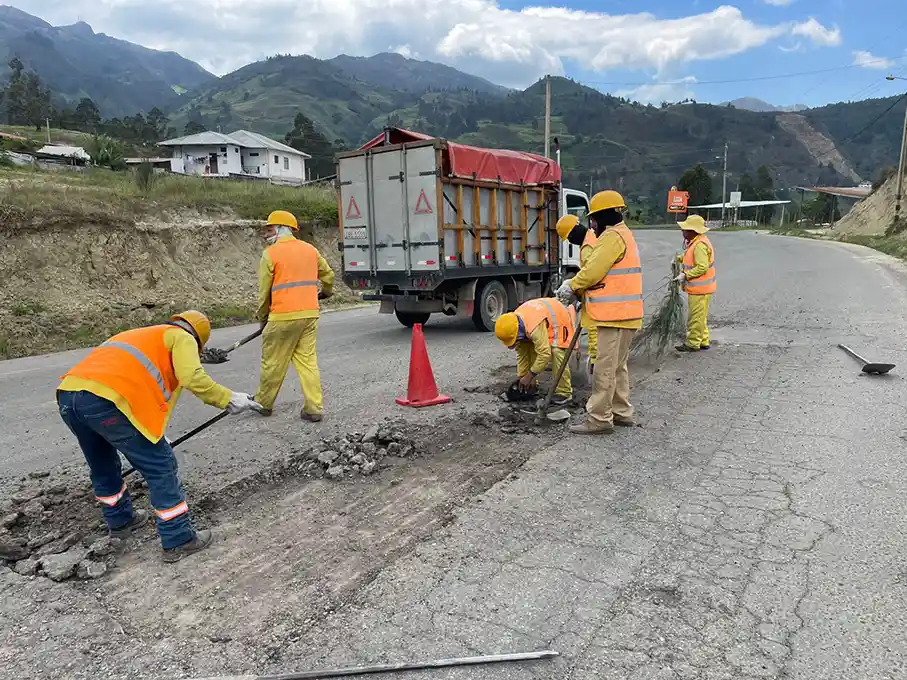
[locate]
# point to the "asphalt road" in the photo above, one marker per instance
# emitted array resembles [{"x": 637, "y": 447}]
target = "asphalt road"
[
  {"x": 751, "y": 529},
  {"x": 363, "y": 358}
]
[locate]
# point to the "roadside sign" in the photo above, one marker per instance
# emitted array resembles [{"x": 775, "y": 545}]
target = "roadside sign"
[
  {"x": 677, "y": 200},
  {"x": 736, "y": 197}
]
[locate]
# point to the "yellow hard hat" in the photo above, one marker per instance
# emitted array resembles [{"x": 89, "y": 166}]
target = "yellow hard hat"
[
  {"x": 694, "y": 223},
  {"x": 565, "y": 225},
  {"x": 283, "y": 218},
  {"x": 507, "y": 328},
  {"x": 199, "y": 322},
  {"x": 604, "y": 200}
]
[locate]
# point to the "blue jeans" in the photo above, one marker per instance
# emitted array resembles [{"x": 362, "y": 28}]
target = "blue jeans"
[{"x": 102, "y": 429}]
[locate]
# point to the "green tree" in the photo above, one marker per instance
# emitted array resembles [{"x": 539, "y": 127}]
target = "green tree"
[
  {"x": 698, "y": 183},
  {"x": 193, "y": 128},
  {"x": 822, "y": 209},
  {"x": 304, "y": 137},
  {"x": 87, "y": 116}
]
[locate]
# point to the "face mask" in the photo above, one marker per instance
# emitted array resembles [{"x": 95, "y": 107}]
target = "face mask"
[
  {"x": 271, "y": 240},
  {"x": 577, "y": 235}
]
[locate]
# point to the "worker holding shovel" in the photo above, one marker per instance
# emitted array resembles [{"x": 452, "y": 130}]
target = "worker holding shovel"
[
  {"x": 121, "y": 397},
  {"x": 570, "y": 230},
  {"x": 697, "y": 277},
  {"x": 540, "y": 331}
]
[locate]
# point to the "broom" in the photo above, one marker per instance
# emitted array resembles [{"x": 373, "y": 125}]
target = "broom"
[{"x": 665, "y": 326}]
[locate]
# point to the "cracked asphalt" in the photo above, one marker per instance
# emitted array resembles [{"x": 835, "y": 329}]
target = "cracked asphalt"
[{"x": 752, "y": 528}]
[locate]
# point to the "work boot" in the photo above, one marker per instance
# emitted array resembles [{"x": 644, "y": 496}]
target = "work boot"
[
  {"x": 559, "y": 401},
  {"x": 266, "y": 412},
  {"x": 704, "y": 347},
  {"x": 200, "y": 541},
  {"x": 624, "y": 422},
  {"x": 311, "y": 417},
  {"x": 139, "y": 519},
  {"x": 592, "y": 427},
  {"x": 686, "y": 348}
]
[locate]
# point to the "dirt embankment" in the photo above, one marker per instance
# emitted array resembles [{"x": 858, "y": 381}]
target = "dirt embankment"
[
  {"x": 68, "y": 286},
  {"x": 873, "y": 215},
  {"x": 820, "y": 147}
]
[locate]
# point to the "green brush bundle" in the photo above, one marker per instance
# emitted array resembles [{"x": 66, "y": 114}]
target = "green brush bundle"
[{"x": 664, "y": 327}]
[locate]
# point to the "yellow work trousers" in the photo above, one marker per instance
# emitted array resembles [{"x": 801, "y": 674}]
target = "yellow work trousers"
[
  {"x": 611, "y": 379},
  {"x": 697, "y": 321},
  {"x": 281, "y": 343},
  {"x": 526, "y": 356}
]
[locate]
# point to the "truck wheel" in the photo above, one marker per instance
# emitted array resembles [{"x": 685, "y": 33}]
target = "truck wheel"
[
  {"x": 491, "y": 301},
  {"x": 410, "y": 319}
]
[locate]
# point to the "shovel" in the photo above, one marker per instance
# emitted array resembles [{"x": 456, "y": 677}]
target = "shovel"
[
  {"x": 204, "y": 426},
  {"x": 213, "y": 355},
  {"x": 868, "y": 367}
]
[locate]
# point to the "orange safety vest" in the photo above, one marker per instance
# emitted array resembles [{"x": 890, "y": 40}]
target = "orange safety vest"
[
  {"x": 136, "y": 365},
  {"x": 705, "y": 284},
  {"x": 561, "y": 320},
  {"x": 295, "y": 284},
  {"x": 618, "y": 296}
]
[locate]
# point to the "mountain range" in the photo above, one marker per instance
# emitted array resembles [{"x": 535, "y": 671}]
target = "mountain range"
[{"x": 605, "y": 140}]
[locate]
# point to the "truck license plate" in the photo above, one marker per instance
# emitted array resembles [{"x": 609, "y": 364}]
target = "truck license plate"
[{"x": 355, "y": 233}]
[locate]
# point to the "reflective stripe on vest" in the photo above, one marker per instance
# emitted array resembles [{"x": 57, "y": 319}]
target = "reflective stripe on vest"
[
  {"x": 560, "y": 322},
  {"x": 146, "y": 363},
  {"x": 707, "y": 283},
  {"x": 137, "y": 366},
  {"x": 294, "y": 287},
  {"x": 618, "y": 296}
]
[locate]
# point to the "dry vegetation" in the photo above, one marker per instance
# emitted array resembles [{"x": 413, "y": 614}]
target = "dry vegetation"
[{"x": 84, "y": 255}]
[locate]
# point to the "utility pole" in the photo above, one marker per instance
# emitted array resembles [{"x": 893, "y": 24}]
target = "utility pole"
[
  {"x": 47, "y": 123},
  {"x": 899, "y": 192},
  {"x": 724, "y": 186},
  {"x": 547, "y": 116}
]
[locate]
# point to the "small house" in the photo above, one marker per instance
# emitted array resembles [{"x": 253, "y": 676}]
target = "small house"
[{"x": 240, "y": 154}]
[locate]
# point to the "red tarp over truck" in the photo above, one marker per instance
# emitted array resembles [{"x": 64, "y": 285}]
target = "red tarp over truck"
[{"x": 473, "y": 162}]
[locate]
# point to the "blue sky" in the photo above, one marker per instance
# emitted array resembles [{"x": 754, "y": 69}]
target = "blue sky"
[{"x": 649, "y": 50}]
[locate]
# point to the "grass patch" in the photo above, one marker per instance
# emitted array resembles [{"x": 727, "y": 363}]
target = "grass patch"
[
  {"x": 890, "y": 245},
  {"x": 107, "y": 197},
  {"x": 27, "y": 308}
]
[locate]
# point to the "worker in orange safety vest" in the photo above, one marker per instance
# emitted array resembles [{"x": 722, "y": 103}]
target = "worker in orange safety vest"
[
  {"x": 610, "y": 283},
  {"x": 121, "y": 397},
  {"x": 288, "y": 276},
  {"x": 540, "y": 331},
  {"x": 697, "y": 276}
]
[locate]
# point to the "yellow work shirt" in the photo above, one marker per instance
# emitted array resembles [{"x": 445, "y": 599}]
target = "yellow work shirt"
[
  {"x": 542, "y": 345},
  {"x": 605, "y": 254},
  {"x": 188, "y": 370},
  {"x": 585, "y": 319},
  {"x": 266, "y": 280}
]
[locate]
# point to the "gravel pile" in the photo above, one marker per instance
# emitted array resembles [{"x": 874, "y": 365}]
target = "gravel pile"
[
  {"x": 362, "y": 453},
  {"x": 50, "y": 529}
]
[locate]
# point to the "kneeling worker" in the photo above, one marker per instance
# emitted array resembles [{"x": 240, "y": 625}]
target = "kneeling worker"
[
  {"x": 698, "y": 280},
  {"x": 569, "y": 229},
  {"x": 120, "y": 397},
  {"x": 539, "y": 330},
  {"x": 288, "y": 310}
]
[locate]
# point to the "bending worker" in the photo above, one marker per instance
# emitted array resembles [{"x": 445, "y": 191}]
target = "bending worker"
[
  {"x": 570, "y": 230},
  {"x": 288, "y": 310},
  {"x": 539, "y": 330},
  {"x": 120, "y": 397},
  {"x": 610, "y": 282},
  {"x": 698, "y": 280}
]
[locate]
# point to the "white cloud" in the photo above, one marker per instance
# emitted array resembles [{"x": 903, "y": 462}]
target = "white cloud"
[
  {"x": 512, "y": 47},
  {"x": 869, "y": 60},
  {"x": 657, "y": 92},
  {"x": 812, "y": 29},
  {"x": 778, "y": 3}
]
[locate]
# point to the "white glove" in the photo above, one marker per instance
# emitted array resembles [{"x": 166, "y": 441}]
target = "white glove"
[
  {"x": 565, "y": 293},
  {"x": 240, "y": 402},
  {"x": 681, "y": 277}
]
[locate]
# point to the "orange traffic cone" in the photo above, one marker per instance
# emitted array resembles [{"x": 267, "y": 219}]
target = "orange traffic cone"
[{"x": 422, "y": 390}]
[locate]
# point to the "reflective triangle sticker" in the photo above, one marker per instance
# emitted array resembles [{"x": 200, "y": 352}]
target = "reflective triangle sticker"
[
  {"x": 352, "y": 210},
  {"x": 423, "y": 207}
]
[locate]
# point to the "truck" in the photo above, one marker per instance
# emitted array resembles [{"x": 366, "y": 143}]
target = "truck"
[{"x": 428, "y": 226}]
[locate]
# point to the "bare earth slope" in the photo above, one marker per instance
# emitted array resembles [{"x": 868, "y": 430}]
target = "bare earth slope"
[
  {"x": 873, "y": 214},
  {"x": 819, "y": 146}
]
